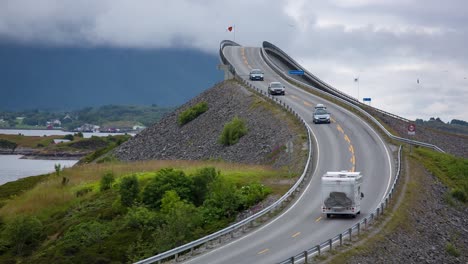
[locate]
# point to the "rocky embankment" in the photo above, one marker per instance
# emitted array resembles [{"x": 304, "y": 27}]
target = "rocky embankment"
[
  {"x": 269, "y": 129},
  {"x": 434, "y": 231},
  {"x": 455, "y": 144}
]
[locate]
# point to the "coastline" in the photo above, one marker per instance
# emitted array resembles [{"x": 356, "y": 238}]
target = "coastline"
[{"x": 41, "y": 154}]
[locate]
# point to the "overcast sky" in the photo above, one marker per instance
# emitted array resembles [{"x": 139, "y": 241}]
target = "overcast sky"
[{"x": 388, "y": 44}]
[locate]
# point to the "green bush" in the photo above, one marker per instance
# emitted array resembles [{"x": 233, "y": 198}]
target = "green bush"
[
  {"x": 7, "y": 144},
  {"x": 459, "y": 194},
  {"x": 252, "y": 194},
  {"x": 233, "y": 131},
  {"x": 142, "y": 218},
  {"x": 452, "y": 250},
  {"x": 83, "y": 191},
  {"x": 23, "y": 233},
  {"x": 69, "y": 137},
  {"x": 202, "y": 179},
  {"x": 222, "y": 200},
  {"x": 192, "y": 113},
  {"x": 129, "y": 189},
  {"x": 86, "y": 233},
  {"x": 167, "y": 180},
  {"x": 106, "y": 181}
]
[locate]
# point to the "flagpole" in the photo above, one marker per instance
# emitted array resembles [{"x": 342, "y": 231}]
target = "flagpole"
[
  {"x": 234, "y": 27},
  {"x": 359, "y": 100}
]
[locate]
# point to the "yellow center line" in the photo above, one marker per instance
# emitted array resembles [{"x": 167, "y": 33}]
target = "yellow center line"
[
  {"x": 307, "y": 104},
  {"x": 294, "y": 97},
  {"x": 295, "y": 235},
  {"x": 339, "y": 128},
  {"x": 347, "y": 139},
  {"x": 333, "y": 120},
  {"x": 263, "y": 251},
  {"x": 351, "y": 149},
  {"x": 352, "y": 170},
  {"x": 318, "y": 219}
]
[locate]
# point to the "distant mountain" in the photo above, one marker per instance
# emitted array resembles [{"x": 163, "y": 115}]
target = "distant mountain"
[
  {"x": 69, "y": 77},
  {"x": 455, "y": 126}
]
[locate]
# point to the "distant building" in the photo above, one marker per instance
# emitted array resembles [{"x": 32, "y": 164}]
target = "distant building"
[
  {"x": 138, "y": 128},
  {"x": 57, "y": 123},
  {"x": 58, "y": 140},
  {"x": 87, "y": 128},
  {"x": 67, "y": 116}
]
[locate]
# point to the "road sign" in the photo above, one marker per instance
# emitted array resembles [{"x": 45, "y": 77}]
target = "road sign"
[
  {"x": 411, "y": 129},
  {"x": 296, "y": 72},
  {"x": 366, "y": 99}
]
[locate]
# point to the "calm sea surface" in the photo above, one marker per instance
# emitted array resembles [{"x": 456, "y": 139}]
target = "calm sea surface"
[
  {"x": 52, "y": 132},
  {"x": 13, "y": 168}
]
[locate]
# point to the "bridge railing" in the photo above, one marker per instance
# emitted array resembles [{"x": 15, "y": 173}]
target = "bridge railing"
[
  {"x": 333, "y": 92},
  {"x": 230, "y": 231}
]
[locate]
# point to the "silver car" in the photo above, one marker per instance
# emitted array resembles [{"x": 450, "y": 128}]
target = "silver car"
[
  {"x": 321, "y": 116},
  {"x": 256, "y": 75}
]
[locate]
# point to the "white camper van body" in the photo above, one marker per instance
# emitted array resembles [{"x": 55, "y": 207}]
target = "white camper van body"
[{"x": 341, "y": 193}]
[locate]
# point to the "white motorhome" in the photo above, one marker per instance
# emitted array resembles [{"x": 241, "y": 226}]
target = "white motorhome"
[{"x": 341, "y": 193}]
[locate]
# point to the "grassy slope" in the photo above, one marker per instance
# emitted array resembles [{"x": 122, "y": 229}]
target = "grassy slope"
[
  {"x": 59, "y": 208},
  {"x": 450, "y": 170}
]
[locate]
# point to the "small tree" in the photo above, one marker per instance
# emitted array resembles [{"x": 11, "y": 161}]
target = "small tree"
[
  {"x": 23, "y": 233},
  {"x": 129, "y": 190},
  {"x": 57, "y": 167},
  {"x": 69, "y": 137},
  {"x": 202, "y": 179},
  {"x": 233, "y": 131},
  {"x": 106, "y": 181}
]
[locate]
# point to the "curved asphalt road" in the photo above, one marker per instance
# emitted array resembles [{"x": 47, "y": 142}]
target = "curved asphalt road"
[{"x": 348, "y": 143}]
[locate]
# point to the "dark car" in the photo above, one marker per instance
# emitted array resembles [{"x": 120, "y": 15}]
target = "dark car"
[
  {"x": 256, "y": 75},
  {"x": 276, "y": 88}
]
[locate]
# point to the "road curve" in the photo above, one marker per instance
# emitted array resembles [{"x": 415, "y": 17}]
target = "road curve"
[{"x": 348, "y": 143}]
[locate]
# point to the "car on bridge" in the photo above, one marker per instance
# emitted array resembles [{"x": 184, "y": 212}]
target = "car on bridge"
[
  {"x": 321, "y": 115},
  {"x": 320, "y": 106},
  {"x": 256, "y": 75},
  {"x": 276, "y": 88}
]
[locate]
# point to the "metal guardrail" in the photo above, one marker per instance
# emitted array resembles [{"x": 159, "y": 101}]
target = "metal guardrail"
[
  {"x": 334, "y": 93},
  {"x": 323, "y": 85},
  {"x": 306, "y": 255},
  {"x": 280, "y": 203}
]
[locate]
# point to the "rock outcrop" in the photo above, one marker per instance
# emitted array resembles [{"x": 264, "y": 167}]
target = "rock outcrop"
[{"x": 269, "y": 129}]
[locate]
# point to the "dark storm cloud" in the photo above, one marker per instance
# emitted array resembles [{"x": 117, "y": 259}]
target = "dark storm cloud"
[{"x": 389, "y": 43}]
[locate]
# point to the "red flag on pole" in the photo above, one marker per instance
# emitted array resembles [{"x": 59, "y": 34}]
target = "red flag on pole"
[{"x": 229, "y": 28}]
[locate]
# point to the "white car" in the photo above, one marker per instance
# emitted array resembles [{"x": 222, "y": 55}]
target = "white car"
[{"x": 320, "y": 106}]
